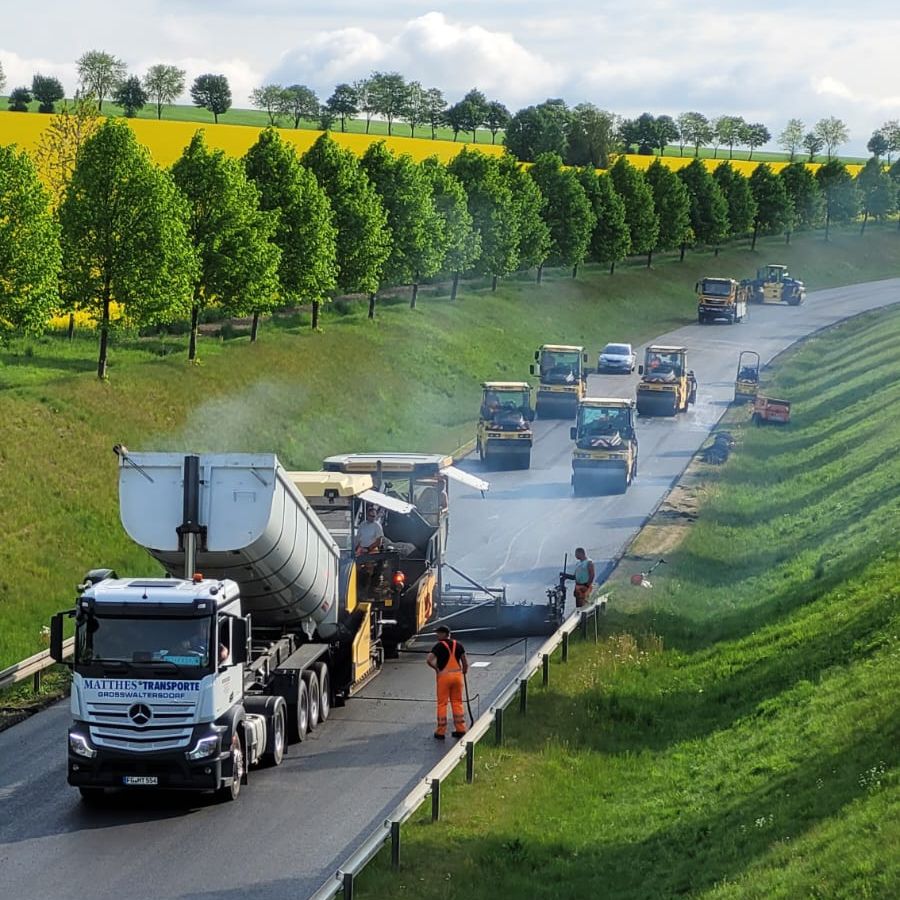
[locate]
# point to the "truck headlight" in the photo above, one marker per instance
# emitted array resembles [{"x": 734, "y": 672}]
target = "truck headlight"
[
  {"x": 204, "y": 748},
  {"x": 81, "y": 746}
]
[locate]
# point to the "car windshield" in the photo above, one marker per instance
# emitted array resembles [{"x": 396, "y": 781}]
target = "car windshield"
[
  {"x": 716, "y": 287},
  {"x": 179, "y": 642},
  {"x": 617, "y": 350},
  {"x": 561, "y": 365}
]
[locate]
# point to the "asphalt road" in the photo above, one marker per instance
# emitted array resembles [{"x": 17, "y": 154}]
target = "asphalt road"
[{"x": 294, "y": 825}]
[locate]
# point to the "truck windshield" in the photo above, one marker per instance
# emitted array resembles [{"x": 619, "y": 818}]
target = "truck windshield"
[
  {"x": 146, "y": 641},
  {"x": 560, "y": 366},
  {"x": 716, "y": 287}
]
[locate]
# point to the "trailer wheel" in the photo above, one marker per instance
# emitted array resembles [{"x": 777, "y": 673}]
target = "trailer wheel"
[
  {"x": 312, "y": 688},
  {"x": 232, "y": 791},
  {"x": 321, "y": 670},
  {"x": 300, "y": 716},
  {"x": 278, "y": 724}
]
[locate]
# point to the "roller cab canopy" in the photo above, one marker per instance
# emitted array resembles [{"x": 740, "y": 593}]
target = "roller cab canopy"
[
  {"x": 330, "y": 486},
  {"x": 409, "y": 465},
  {"x": 608, "y": 403}
]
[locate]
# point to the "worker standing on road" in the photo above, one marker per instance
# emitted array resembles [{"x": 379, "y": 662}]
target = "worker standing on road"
[
  {"x": 583, "y": 577},
  {"x": 448, "y": 659}
]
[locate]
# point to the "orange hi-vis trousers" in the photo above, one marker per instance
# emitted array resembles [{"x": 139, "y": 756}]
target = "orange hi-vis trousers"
[{"x": 450, "y": 690}]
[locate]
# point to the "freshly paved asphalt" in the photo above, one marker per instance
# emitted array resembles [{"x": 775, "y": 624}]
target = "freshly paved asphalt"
[{"x": 293, "y": 826}]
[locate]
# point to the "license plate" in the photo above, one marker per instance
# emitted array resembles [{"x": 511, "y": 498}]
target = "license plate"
[{"x": 139, "y": 779}]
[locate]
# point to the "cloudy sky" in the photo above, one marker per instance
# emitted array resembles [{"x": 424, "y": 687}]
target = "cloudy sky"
[{"x": 767, "y": 60}]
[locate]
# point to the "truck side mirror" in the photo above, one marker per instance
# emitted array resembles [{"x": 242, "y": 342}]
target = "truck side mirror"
[
  {"x": 584, "y": 358},
  {"x": 531, "y": 370},
  {"x": 697, "y": 288},
  {"x": 239, "y": 640},
  {"x": 640, "y": 370},
  {"x": 537, "y": 355},
  {"x": 573, "y": 433},
  {"x": 56, "y": 636}
]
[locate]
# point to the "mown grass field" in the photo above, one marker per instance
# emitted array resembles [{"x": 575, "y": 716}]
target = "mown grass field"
[
  {"x": 166, "y": 139},
  {"x": 735, "y": 731},
  {"x": 407, "y": 381}
]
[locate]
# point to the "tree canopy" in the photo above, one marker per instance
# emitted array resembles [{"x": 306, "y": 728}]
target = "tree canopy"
[
  {"x": 640, "y": 213},
  {"x": 672, "y": 204},
  {"x": 100, "y": 73},
  {"x": 212, "y": 92},
  {"x": 610, "y": 240}
]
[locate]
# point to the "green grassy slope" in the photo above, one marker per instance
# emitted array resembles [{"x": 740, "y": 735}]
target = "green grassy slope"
[
  {"x": 408, "y": 380},
  {"x": 735, "y": 732}
]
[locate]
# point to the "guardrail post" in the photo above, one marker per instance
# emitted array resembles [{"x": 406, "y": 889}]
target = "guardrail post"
[
  {"x": 395, "y": 845},
  {"x": 523, "y": 695},
  {"x": 584, "y": 626},
  {"x": 435, "y": 799},
  {"x": 36, "y": 681},
  {"x": 498, "y": 726},
  {"x": 565, "y": 646},
  {"x": 545, "y": 669},
  {"x": 470, "y": 762},
  {"x": 348, "y": 886},
  {"x": 596, "y": 625}
]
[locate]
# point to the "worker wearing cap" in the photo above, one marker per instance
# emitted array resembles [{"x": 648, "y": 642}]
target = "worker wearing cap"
[
  {"x": 448, "y": 659},
  {"x": 583, "y": 577}
]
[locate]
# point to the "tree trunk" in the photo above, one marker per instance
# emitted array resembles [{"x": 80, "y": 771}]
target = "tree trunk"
[
  {"x": 649, "y": 258},
  {"x": 862, "y": 230},
  {"x": 612, "y": 268},
  {"x": 343, "y": 123},
  {"x": 828, "y": 225},
  {"x": 412, "y": 130},
  {"x": 159, "y": 110},
  {"x": 755, "y": 233},
  {"x": 216, "y": 117},
  {"x": 474, "y": 137},
  {"x": 104, "y": 334},
  {"x": 254, "y": 327},
  {"x": 716, "y": 251},
  {"x": 195, "y": 320},
  {"x": 787, "y": 237},
  {"x": 455, "y": 286},
  {"x": 681, "y": 255},
  {"x": 372, "y": 305},
  {"x": 415, "y": 294},
  {"x": 494, "y": 283},
  {"x": 540, "y": 273},
  {"x": 389, "y": 127},
  {"x": 70, "y": 334},
  {"x": 493, "y": 137},
  {"x": 575, "y": 270},
  {"x": 696, "y": 151},
  {"x": 315, "y": 315}
]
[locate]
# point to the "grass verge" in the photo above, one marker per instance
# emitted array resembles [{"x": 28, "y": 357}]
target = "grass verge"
[
  {"x": 408, "y": 380},
  {"x": 734, "y": 733}
]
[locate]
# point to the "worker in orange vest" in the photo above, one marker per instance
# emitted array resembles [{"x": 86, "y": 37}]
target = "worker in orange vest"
[{"x": 448, "y": 659}]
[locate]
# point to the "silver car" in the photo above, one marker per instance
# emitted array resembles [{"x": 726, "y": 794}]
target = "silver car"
[{"x": 618, "y": 358}]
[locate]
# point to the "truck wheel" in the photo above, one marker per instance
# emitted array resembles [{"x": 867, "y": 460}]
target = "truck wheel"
[
  {"x": 312, "y": 688},
  {"x": 232, "y": 791},
  {"x": 300, "y": 716},
  {"x": 92, "y": 796},
  {"x": 278, "y": 724},
  {"x": 321, "y": 670}
]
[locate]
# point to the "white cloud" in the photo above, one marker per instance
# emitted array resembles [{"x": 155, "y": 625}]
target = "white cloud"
[{"x": 832, "y": 87}]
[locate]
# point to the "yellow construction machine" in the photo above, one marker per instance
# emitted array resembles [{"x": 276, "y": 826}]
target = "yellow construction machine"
[
  {"x": 773, "y": 284},
  {"x": 746, "y": 382},
  {"x": 721, "y": 298},
  {"x": 667, "y": 386},
  {"x": 605, "y": 456},
  {"x": 562, "y": 370},
  {"x": 504, "y": 436}
]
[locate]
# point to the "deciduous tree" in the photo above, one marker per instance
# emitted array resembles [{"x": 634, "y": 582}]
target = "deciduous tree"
[
  {"x": 709, "y": 208},
  {"x": 694, "y": 130},
  {"x": 791, "y": 139},
  {"x": 567, "y": 212},
  {"x": 496, "y": 118},
  {"x": 212, "y": 92},
  {"x": 591, "y": 136},
  {"x": 299, "y": 102},
  {"x": 124, "y": 235},
  {"x": 461, "y": 242},
  {"x": 130, "y": 95},
  {"x": 366, "y": 99},
  {"x": 877, "y": 192},
  {"x": 640, "y": 215},
  {"x": 610, "y": 240},
  {"x": 533, "y": 232},
  {"x": 840, "y": 193},
  {"x": 2, "y": 77},
  {"x": 729, "y": 130},
  {"x": 164, "y": 84},
  {"x": 804, "y": 194},
  {"x": 813, "y": 144},
  {"x": 305, "y": 230},
  {"x": 891, "y": 132},
  {"x": 741, "y": 205},
  {"x": 435, "y": 107},
  {"x": 29, "y": 247},
  {"x": 753, "y": 135},
  {"x": 538, "y": 129},
  {"x": 19, "y": 98},
  {"x": 363, "y": 236},
  {"x": 417, "y": 247},
  {"x": 774, "y": 212},
  {"x": 832, "y": 132},
  {"x": 270, "y": 98},
  {"x": 388, "y": 92},
  {"x": 672, "y": 205},
  {"x": 474, "y": 109},
  {"x": 47, "y": 90},
  {"x": 100, "y": 73},
  {"x": 877, "y": 144},
  {"x": 416, "y": 110},
  {"x": 343, "y": 104}
]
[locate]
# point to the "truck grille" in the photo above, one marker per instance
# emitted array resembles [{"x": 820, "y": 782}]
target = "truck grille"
[{"x": 140, "y": 726}]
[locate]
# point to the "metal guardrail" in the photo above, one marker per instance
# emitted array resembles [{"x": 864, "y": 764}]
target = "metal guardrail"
[
  {"x": 32, "y": 667},
  {"x": 343, "y": 880}
]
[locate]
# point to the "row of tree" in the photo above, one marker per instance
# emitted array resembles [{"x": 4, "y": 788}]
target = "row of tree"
[{"x": 274, "y": 229}]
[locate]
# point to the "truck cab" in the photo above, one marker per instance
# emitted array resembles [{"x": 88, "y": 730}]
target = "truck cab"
[
  {"x": 721, "y": 298},
  {"x": 605, "y": 455},
  {"x": 504, "y": 436},
  {"x": 667, "y": 386},
  {"x": 563, "y": 373}
]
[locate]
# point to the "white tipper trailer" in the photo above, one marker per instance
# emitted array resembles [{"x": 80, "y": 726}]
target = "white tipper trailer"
[{"x": 187, "y": 681}]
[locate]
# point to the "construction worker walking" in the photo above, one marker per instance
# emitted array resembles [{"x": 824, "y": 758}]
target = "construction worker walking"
[{"x": 448, "y": 659}]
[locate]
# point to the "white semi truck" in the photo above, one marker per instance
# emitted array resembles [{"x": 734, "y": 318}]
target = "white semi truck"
[{"x": 187, "y": 681}]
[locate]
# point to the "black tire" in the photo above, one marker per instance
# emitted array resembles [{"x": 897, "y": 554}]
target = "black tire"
[
  {"x": 299, "y": 720},
  {"x": 278, "y": 740},
  {"x": 312, "y": 688},
  {"x": 480, "y": 452},
  {"x": 231, "y": 792},
  {"x": 322, "y": 673},
  {"x": 92, "y": 796}
]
